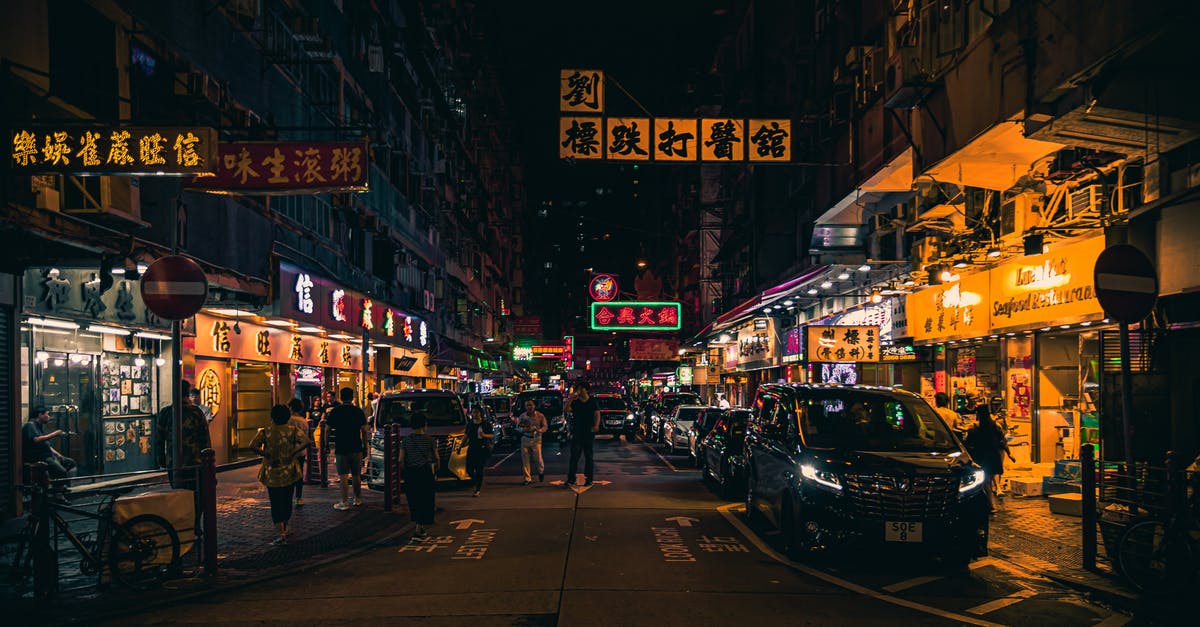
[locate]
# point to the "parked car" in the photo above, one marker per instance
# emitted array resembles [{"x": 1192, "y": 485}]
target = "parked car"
[
  {"x": 835, "y": 465},
  {"x": 721, "y": 456},
  {"x": 675, "y": 429},
  {"x": 550, "y": 403},
  {"x": 506, "y": 424},
  {"x": 447, "y": 424},
  {"x": 660, "y": 409},
  {"x": 700, "y": 428}
]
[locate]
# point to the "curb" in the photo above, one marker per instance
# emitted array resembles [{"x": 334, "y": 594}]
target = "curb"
[
  {"x": 277, "y": 573},
  {"x": 1111, "y": 596}
]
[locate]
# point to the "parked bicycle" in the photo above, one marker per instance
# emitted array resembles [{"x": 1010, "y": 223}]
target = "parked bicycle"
[
  {"x": 1161, "y": 554},
  {"x": 138, "y": 553}
]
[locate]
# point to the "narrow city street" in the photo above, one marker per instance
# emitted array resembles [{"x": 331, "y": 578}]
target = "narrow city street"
[{"x": 648, "y": 543}]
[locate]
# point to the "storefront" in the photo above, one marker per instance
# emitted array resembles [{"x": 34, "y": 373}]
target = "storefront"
[
  {"x": 758, "y": 358},
  {"x": 98, "y": 360},
  {"x": 1023, "y": 337}
]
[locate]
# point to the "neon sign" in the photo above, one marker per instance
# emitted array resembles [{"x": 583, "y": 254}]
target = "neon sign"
[
  {"x": 366, "y": 319},
  {"x": 389, "y": 323},
  {"x": 424, "y": 334},
  {"x": 635, "y": 316},
  {"x": 304, "y": 299},
  {"x": 603, "y": 288},
  {"x": 338, "y": 305},
  {"x": 522, "y": 353}
]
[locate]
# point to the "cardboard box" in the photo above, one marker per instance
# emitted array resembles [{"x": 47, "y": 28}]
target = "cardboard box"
[
  {"x": 1067, "y": 504},
  {"x": 1024, "y": 486},
  {"x": 1068, "y": 469},
  {"x": 1056, "y": 485}
]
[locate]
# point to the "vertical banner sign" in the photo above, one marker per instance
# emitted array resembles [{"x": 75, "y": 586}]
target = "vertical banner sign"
[
  {"x": 628, "y": 139},
  {"x": 579, "y": 138},
  {"x": 722, "y": 140},
  {"x": 770, "y": 140},
  {"x": 675, "y": 139},
  {"x": 581, "y": 91}
]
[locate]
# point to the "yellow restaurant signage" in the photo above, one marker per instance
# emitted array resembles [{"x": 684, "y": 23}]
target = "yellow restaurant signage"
[
  {"x": 215, "y": 337},
  {"x": 957, "y": 309},
  {"x": 1052, "y": 287},
  {"x": 828, "y": 343}
]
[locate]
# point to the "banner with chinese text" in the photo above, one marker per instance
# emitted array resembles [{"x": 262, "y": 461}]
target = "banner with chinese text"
[
  {"x": 288, "y": 167},
  {"x": 125, "y": 150},
  {"x": 675, "y": 139},
  {"x": 642, "y": 349},
  {"x": 842, "y": 344},
  {"x": 635, "y": 316},
  {"x": 581, "y": 91}
]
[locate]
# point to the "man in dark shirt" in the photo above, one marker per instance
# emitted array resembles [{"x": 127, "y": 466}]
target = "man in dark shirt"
[
  {"x": 36, "y": 446},
  {"x": 585, "y": 422},
  {"x": 348, "y": 429}
]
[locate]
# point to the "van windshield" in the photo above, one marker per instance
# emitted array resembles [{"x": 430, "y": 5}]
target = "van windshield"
[
  {"x": 549, "y": 403},
  {"x": 442, "y": 411},
  {"x": 862, "y": 421},
  {"x": 500, "y": 405},
  {"x": 610, "y": 403}
]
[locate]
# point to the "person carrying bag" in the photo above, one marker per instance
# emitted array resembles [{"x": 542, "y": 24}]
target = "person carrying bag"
[{"x": 419, "y": 462}]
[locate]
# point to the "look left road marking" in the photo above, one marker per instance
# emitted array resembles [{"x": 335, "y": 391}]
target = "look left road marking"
[{"x": 727, "y": 512}]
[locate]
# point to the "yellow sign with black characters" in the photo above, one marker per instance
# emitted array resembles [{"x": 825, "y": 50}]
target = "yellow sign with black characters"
[
  {"x": 628, "y": 139},
  {"x": 581, "y": 91},
  {"x": 722, "y": 139},
  {"x": 580, "y": 138}
]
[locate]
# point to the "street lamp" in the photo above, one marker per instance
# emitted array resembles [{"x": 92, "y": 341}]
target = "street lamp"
[{"x": 641, "y": 263}]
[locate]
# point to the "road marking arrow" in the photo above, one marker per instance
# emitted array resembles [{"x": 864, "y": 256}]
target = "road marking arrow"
[
  {"x": 683, "y": 521},
  {"x": 466, "y": 524}
]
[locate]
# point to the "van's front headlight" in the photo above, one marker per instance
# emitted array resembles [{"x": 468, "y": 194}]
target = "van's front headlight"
[
  {"x": 972, "y": 480},
  {"x": 823, "y": 478}
]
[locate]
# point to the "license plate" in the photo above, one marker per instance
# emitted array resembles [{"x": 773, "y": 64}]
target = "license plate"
[
  {"x": 612, "y": 422},
  {"x": 902, "y": 532}
]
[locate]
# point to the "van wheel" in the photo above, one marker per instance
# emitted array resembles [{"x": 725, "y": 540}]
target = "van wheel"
[
  {"x": 795, "y": 541},
  {"x": 753, "y": 516}
]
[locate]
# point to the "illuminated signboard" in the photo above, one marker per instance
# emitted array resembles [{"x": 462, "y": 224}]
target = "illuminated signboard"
[
  {"x": 548, "y": 351},
  {"x": 522, "y": 353},
  {"x": 581, "y": 90},
  {"x": 735, "y": 140},
  {"x": 793, "y": 348},
  {"x": 603, "y": 288},
  {"x": 568, "y": 349},
  {"x": 898, "y": 352},
  {"x": 287, "y": 167},
  {"x": 636, "y": 316},
  {"x": 842, "y": 343},
  {"x": 125, "y": 150}
]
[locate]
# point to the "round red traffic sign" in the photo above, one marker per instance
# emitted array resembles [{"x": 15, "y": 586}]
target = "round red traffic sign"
[
  {"x": 174, "y": 287},
  {"x": 1126, "y": 283}
]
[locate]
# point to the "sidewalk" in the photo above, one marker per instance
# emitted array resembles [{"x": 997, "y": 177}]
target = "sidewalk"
[{"x": 244, "y": 532}]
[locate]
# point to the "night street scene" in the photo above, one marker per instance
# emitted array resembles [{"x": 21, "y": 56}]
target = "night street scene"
[{"x": 628, "y": 312}]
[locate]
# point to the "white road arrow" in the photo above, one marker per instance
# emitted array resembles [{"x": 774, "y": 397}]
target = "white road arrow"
[
  {"x": 683, "y": 521},
  {"x": 466, "y": 524}
]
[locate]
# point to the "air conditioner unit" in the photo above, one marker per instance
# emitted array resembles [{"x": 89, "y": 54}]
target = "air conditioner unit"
[
  {"x": 48, "y": 199},
  {"x": 873, "y": 68},
  {"x": 1085, "y": 202},
  {"x": 1018, "y": 213},
  {"x": 903, "y": 78},
  {"x": 116, "y": 196},
  {"x": 375, "y": 58}
]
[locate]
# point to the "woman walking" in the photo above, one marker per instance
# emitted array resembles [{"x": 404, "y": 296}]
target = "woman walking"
[
  {"x": 479, "y": 446},
  {"x": 985, "y": 441},
  {"x": 296, "y": 407},
  {"x": 279, "y": 444},
  {"x": 419, "y": 460}
]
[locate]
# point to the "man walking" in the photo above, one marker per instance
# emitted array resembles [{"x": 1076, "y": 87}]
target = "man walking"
[
  {"x": 36, "y": 447},
  {"x": 532, "y": 425},
  {"x": 585, "y": 422},
  {"x": 348, "y": 429}
]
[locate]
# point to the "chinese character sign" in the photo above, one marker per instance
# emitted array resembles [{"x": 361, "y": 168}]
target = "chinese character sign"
[
  {"x": 580, "y": 138},
  {"x": 769, "y": 140},
  {"x": 581, "y": 91},
  {"x": 827, "y": 343},
  {"x": 722, "y": 139},
  {"x": 675, "y": 139},
  {"x": 628, "y": 138},
  {"x": 288, "y": 167},
  {"x": 130, "y": 150},
  {"x": 635, "y": 316}
]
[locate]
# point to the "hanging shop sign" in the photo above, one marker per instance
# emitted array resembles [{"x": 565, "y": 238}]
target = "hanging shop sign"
[
  {"x": 288, "y": 167},
  {"x": 80, "y": 294},
  {"x": 643, "y": 349},
  {"x": 628, "y": 139},
  {"x": 898, "y": 352},
  {"x": 603, "y": 288},
  {"x": 959, "y": 309},
  {"x": 597, "y": 138},
  {"x": 308, "y": 375},
  {"x": 876, "y": 315},
  {"x": 522, "y": 353},
  {"x": 527, "y": 326},
  {"x": 843, "y": 344},
  {"x": 684, "y": 375},
  {"x": 635, "y": 316},
  {"x": 315, "y": 300},
  {"x": 122, "y": 150},
  {"x": 579, "y": 138},
  {"x": 216, "y": 337},
  {"x": 793, "y": 347},
  {"x": 1054, "y": 286},
  {"x": 549, "y": 351},
  {"x": 581, "y": 90}
]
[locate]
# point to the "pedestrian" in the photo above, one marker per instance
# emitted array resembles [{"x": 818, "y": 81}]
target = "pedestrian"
[
  {"x": 985, "y": 442},
  {"x": 279, "y": 444},
  {"x": 419, "y": 462},
  {"x": 949, "y": 416},
  {"x": 37, "y": 449},
  {"x": 296, "y": 408},
  {"x": 371, "y": 408},
  {"x": 532, "y": 424},
  {"x": 479, "y": 446},
  {"x": 347, "y": 426},
  {"x": 585, "y": 422},
  {"x": 204, "y": 409},
  {"x": 195, "y": 438},
  {"x": 722, "y": 402}
]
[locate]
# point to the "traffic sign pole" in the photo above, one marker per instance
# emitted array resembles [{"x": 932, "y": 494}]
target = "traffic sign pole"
[{"x": 1126, "y": 399}]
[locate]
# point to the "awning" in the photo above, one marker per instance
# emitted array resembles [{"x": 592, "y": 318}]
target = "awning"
[{"x": 994, "y": 159}]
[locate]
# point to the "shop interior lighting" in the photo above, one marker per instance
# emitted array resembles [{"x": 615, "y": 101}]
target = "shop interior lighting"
[
  {"x": 118, "y": 271},
  {"x": 826, "y": 285},
  {"x": 280, "y": 323},
  {"x": 227, "y": 311},
  {"x": 1045, "y": 328},
  {"x": 310, "y": 329},
  {"x": 788, "y": 303},
  {"x": 1010, "y": 334},
  {"x": 1086, "y": 324},
  {"x": 946, "y": 276},
  {"x": 864, "y": 268},
  {"x": 843, "y": 276},
  {"x": 962, "y": 263},
  {"x": 876, "y": 297},
  {"x": 139, "y": 362},
  {"x": 41, "y": 356},
  {"x": 724, "y": 338},
  {"x": 1064, "y": 326},
  {"x": 141, "y": 268},
  {"x": 993, "y": 252},
  {"x": 53, "y": 324},
  {"x": 146, "y": 335},
  {"x": 99, "y": 328},
  {"x": 58, "y": 362},
  {"x": 159, "y": 361},
  {"x": 336, "y": 336},
  {"x": 49, "y": 331}
]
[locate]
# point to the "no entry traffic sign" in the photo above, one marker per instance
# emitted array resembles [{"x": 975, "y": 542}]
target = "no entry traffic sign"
[
  {"x": 1126, "y": 283},
  {"x": 174, "y": 287}
]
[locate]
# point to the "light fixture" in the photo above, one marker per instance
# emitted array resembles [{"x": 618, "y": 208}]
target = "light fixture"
[
  {"x": 146, "y": 335},
  {"x": 310, "y": 329},
  {"x": 118, "y": 271},
  {"x": 279, "y": 323},
  {"x": 160, "y": 362},
  {"x": 843, "y": 276},
  {"x": 724, "y": 338},
  {"x": 788, "y": 303},
  {"x": 826, "y": 285},
  {"x": 1010, "y": 334},
  {"x": 52, "y": 323},
  {"x": 876, "y": 297},
  {"x": 139, "y": 362},
  {"x": 909, "y": 282},
  {"x": 141, "y": 268},
  {"x": 1045, "y": 328},
  {"x": 812, "y": 291},
  {"x": 681, "y": 352},
  {"x": 99, "y": 328},
  {"x": 58, "y": 362},
  {"x": 641, "y": 263},
  {"x": 380, "y": 345},
  {"x": 864, "y": 268},
  {"x": 946, "y": 276},
  {"x": 993, "y": 252},
  {"x": 1064, "y": 326},
  {"x": 227, "y": 311},
  {"x": 1086, "y": 324},
  {"x": 766, "y": 310},
  {"x": 962, "y": 263},
  {"x": 336, "y": 336}
]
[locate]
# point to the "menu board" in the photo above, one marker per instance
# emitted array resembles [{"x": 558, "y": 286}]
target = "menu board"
[
  {"x": 128, "y": 444},
  {"x": 125, "y": 386}
]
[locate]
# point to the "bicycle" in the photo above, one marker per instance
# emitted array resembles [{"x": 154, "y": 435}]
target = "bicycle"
[
  {"x": 1159, "y": 555},
  {"x": 139, "y": 553}
]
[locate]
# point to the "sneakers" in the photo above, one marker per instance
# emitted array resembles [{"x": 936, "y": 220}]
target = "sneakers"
[
  {"x": 278, "y": 542},
  {"x": 299, "y": 502},
  {"x": 420, "y": 534},
  {"x": 341, "y": 506},
  {"x": 476, "y": 493},
  {"x": 541, "y": 477},
  {"x": 525, "y": 482},
  {"x": 357, "y": 502}
]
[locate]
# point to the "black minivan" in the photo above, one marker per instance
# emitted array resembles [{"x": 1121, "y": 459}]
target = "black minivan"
[{"x": 831, "y": 465}]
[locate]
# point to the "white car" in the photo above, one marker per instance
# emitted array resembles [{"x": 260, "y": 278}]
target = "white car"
[{"x": 678, "y": 424}]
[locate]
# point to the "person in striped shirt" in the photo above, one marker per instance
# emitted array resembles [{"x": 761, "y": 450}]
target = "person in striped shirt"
[{"x": 419, "y": 460}]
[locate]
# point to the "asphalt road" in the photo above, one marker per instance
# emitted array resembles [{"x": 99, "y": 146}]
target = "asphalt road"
[{"x": 648, "y": 544}]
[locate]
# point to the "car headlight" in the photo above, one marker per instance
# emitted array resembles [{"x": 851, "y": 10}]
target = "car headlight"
[
  {"x": 972, "y": 480},
  {"x": 823, "y": 478},
  {"x": 629, "y": 418}
]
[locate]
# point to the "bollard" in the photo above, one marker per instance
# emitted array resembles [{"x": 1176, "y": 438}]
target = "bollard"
[
  {"x": 1087, "y": 462},
  {"x": 323, "y": 454},
  {"x": 208, "y": 502},
  {"x": 389, "y": 473},
  {"x": 312, "y": 456},
  {"x": 45, "y": 564}
]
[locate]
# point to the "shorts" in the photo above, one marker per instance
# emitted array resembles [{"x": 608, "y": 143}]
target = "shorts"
[{"x": 349, "y": 463}]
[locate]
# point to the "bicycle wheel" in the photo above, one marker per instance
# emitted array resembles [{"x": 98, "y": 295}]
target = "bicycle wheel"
[
  {"x": 142, "y": 550},
  {"x": 1154, "y": 559}
]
